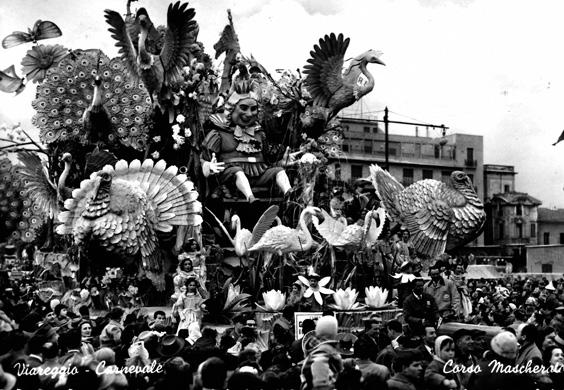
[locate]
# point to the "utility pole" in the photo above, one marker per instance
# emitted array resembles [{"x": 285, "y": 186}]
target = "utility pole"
[
  {"x": 386, "y": 141},
  {"x": 387, "y": 121}
]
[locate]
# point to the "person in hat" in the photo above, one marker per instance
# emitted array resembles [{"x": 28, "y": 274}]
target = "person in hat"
[
  {"x": 345, "y": 344},
  {"x": 323, "y": 364},
  {"x": 170, "y": 346},
  {"x": 419, "y": 308},
  {"x": 313, "y": 296},
  {"x": 492, "y": 376},
  {"x": 464, "y": 352},
  {"x": 436, "y": 377},
  {"x": 547, "y": 297},
  {"x": 236, "y": 148}
]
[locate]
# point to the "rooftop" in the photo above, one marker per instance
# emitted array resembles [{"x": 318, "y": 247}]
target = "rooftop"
[
  {"x": 549, "y": 215},
  {"x": 517, "y": 198}
]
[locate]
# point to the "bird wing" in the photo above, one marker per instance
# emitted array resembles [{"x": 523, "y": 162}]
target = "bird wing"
[
  {"x": 468, "y": 219},
  {"x": 324, "y": 68},
  {"x": 387, "y": 188},
  {"x": 181, "y": 33},
  {"x": 8, "y": 83},
  {"x": 330, "y": 229},
  {"x": 221, "y": 225},
  {"x": 264, "y": 223},
  {"x": 427, "y": 215},
  {"x": 127, "y": 50},
  {"x": 44, "y": 29},
  {"x": 16, "y": 38},
  {"x": 39, "y": 187}
]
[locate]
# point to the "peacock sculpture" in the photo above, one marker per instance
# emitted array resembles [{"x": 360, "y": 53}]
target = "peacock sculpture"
[
  {"x": 244, "y": 238},
  {"x": 439, "y": 216},
  {"x": 28, "y": 196},
  {"x": 122, "y": 208},
  {"x": 325, "y": 81},
  {"x": 90, "y": 98},
  {"x": 158, "y": 72}
]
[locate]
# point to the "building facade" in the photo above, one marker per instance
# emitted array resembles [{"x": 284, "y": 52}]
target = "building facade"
[
  {"x": 498, "y": 179},
  {"x": 512, "y": 219},
  {"x": 411, "y": 158},
  {"x": 550, "y": 226}
]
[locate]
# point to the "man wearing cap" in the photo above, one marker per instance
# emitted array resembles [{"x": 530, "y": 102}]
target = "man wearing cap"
[
  {"x": 419, "y": 308},
  {"x": 495, "y": 371},
  {"x": 323, "y": 364},
  {"x": 444, "y": 292},
  {"x": 547, "y": 298}
]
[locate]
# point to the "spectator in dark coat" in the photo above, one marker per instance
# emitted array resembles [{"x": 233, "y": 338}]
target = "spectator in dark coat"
[{"x": 419, "y": 308}]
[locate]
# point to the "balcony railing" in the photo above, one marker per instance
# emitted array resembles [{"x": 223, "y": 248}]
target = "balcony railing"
[{"x": 470, "y": 163}]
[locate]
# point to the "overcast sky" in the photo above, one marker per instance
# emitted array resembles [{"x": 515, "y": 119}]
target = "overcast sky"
[{"x": 489, "y": 67}]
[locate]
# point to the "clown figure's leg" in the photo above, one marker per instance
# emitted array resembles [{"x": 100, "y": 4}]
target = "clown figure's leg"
[
  {"x": 243, "y": 185},
  {"x": 283, "y": 182}
]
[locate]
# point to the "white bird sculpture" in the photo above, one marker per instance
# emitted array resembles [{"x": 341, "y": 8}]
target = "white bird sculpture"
[
  {"x": 285, "y": 240},
  {"x": 243, "y": 238}
]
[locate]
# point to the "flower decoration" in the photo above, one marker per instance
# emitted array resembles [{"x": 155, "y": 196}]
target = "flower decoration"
[
  {"x": 309, "y": 158},
  {"x": 180, "y": 118},
  {"x": 157, "y": 138},
  {"x": 274, "y": 300},
  {"x": 187, "y": 132},
  {"x": 318, "y": 290},
  {"x": 40, "y": 59},
  {"x": 155, "y": 155},
  {"x": 375, "y": 296},
  {"x": 404, "y": 277},
  {"x": 345, "y": 299}
]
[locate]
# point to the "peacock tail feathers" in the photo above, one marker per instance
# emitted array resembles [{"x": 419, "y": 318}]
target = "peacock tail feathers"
[
  {"x": 20, "y": 218},
  {"x": 39, "y": 187},
  {"x": 68, "y": 91}
]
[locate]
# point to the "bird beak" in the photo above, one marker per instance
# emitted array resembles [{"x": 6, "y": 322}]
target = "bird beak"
[{"x": 376, "y": 60}]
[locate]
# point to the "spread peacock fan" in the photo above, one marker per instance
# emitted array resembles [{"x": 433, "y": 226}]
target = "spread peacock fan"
[
  {"x": 69, "y": 93},
  {"x": 122, "y": 208}
]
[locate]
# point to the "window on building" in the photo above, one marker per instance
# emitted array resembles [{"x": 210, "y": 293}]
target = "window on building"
[
  {"x": 470, "y": 154},
  {"x": 519, "y": 209},
  {"x": 499, "y": 211},
  {"x": 366, "y": 129},
  {"x": 562, "y": 238},
  {"x": 356, "y": 171},
  {"x": 445, "y": 176},
  {"x": 533, "y": 230},
  {"x": 506, "y": 188},
  {"x": 520, "y": 230},
  {"x": 437, "y": 151},
  {"x": 546, "y": 268},
  {"x": 375, "y": 130},
  {"x": 407, "y": 176},
  {"x": 368, "y": 148},
  {"x": 427, "y": 173},
  {"x": 546, "y": 238},
  {"x": 345, "y": 147},
  {"x": 501, "y": 231}
]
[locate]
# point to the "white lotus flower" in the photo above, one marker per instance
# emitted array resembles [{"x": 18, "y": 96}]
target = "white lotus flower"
[
  {"x": 320, "y": 289},
  {"x": 274, "y": 300},
  {"x": 345, "y": 299},
  {"x": 375, "y": 296}
]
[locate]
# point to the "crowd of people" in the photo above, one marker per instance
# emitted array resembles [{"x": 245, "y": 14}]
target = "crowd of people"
[{"x": 49, "y": 345}]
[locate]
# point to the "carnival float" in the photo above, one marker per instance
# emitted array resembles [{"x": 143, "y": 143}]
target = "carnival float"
[{"x": 158, "y": 167}]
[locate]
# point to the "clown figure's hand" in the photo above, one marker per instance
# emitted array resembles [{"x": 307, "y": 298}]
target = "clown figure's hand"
[{"x": 212, "y": 167}]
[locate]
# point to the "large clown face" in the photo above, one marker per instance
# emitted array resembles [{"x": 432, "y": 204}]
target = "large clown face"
[{"x": 245, "y": 112}]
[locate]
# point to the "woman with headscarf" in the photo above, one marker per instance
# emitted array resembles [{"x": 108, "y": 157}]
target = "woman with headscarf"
[{"x": 438, "y": 375}]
